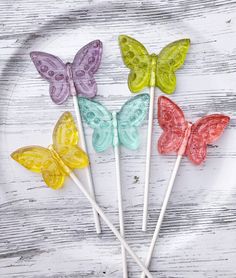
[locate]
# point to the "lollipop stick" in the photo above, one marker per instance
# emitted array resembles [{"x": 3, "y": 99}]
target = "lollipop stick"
[
  {"x": 109, "y": 224},
  {"x": 120, "y": 208},
  {"x": 148, "y": 158},
  {"x": 88, "y": 169},
  {"x": 162, "y": 213}
]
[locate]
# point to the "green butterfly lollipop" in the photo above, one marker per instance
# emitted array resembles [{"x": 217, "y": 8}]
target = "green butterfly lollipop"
[
  {"x": 114, "y": 129},
  {"x": 152, "y": 70}
]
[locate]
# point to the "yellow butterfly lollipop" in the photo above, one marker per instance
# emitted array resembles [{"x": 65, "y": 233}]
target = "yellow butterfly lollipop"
[
  {"x": 58, "y": 161},
  {"x": 152, "y": 70}
]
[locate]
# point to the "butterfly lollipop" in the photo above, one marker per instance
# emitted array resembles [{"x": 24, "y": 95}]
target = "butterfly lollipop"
[
  {"x": 71, "y": 79},
  {"x": 58, "y": 161},
  {"x": 184, "y": 138},
  {"x": 152, "y": 71},
  {"x": 112, "y": 129}
]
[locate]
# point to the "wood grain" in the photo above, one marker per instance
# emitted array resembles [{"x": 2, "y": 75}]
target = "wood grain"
[{"x": 45, "y": 233}]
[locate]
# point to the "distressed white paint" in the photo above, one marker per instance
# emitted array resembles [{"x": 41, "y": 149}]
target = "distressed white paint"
[{"x": 44, "y": 233}]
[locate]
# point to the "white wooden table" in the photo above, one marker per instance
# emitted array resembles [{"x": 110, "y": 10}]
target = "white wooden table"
[{"x": 45, "y": 233}]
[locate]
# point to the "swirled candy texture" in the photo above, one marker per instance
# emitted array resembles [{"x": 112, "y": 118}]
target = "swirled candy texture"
[
  {"x": 107, "y": 129},
  {"x": 64, "y": 77},
  {"x": 152, "y": 70},
  {"x": 51, "y": 161},
  {"x": 205, "y": 131}
]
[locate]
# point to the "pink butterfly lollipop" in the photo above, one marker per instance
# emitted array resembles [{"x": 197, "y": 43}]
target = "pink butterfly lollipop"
[
  {"x": 72, "y": 79},
  {"x": 184, "y": 138}
]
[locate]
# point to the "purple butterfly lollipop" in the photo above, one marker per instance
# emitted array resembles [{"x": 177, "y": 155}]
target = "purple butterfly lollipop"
[{"x": 71, "y": 79}]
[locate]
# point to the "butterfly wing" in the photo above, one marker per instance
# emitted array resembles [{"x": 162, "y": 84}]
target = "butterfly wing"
[
  {"x": 65, "y": 139},
  {"x": 100, "y": 119},
  {"x": 53, "y": 70},
  {"x": 131, "y": 116},
  {"x": 137, "y": 59},
  {"x": 205, "y": 131},
  {"x": 171, "y": 119},
  {"x": 170, "y": 59},
  {"x": 85, "y": 65},
  {"x": 53, "y": 175},
  {"x": 38, "y": 159}
]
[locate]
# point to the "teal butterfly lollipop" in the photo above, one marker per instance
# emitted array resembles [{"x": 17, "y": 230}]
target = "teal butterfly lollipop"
[{"x": 115, "y": 129}]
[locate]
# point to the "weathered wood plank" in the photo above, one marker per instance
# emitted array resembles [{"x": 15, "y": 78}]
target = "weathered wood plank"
[{"x": 51, "y": 234}]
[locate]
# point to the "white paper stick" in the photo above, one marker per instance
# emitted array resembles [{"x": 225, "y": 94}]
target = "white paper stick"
[
  {"x": 162, "y": 213},
  {"x": 120, "y": 208},
  {"x": 88, "y": 169},
  {"x": 109, "y": 224},
  {"x": 148, "y": 158}
]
